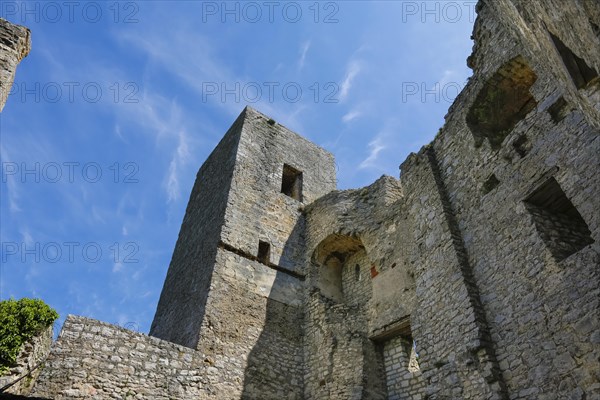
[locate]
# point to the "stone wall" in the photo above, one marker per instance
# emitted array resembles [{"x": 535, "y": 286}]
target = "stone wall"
[
  {"x": 31, "y": 355},
  {"x": 483, "y": 256},
  {"x": 499, "y": 210},
  {"x": 402, "y": 372},
  {"x": 539, "y": 308},
  {"x": 93, "y": 359},
  {"x": 15, "y": 44}
]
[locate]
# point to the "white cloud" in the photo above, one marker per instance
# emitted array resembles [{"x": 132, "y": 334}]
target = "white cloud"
[
  {"x": 166, "y": 122},
  {"x": 201, "y": 69},
  {"x": 375, "y": 147},
  {"x": 180, "y": 158},
  {"x": 119, "y": 134},
  {"x": 303, "y": 51},
  {"x": 352, "y": 115},
  {"x": 27, "y": 238},
  {"x": 446, "y": 77},
  {"x": 352, "y": 70}
]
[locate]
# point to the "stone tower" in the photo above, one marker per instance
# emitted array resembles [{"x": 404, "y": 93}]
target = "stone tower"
[{"x": 240, "y": 243}]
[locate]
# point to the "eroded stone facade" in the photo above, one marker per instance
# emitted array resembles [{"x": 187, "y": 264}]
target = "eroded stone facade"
[
  {"x": 476, "y": 275},
  {"x": 15, "y": 44}
]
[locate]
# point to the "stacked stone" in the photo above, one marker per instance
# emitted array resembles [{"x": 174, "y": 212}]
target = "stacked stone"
[
  {"x": 15, "y": 44},
  {"x": 485, "y": 253}
]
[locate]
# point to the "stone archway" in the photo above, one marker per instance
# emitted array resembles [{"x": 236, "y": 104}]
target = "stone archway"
[{"x": 332, "y": 255}]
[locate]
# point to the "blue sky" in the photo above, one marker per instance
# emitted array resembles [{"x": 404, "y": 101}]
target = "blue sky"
[{"x": 119, "y": 103}]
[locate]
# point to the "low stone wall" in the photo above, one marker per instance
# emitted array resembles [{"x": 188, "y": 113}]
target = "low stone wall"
[
  {"x": 96, "y": 360},
  {"x": 32, "y": 353}
]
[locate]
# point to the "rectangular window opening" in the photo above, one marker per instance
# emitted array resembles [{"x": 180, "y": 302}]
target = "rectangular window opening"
[
  {"x": 264, "y": 252},
  {"x": 557, "y": 221},
  {"x": 291, "y": 182}
]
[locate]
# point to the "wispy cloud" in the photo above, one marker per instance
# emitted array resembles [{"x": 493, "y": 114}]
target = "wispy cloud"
[
  {"x": 376, "y": 146},
  {"x": 9, "y": 178},
  {"x": 119, "y": 134},
  {"x": 163, "y": 119},
  {"x": 352, "y": 115},
  {"x": 351, "y": 71},
  {"x": 27, "y": 238},
  {"x": 180, "y": 158},
  {"x": 303, "y": 50},
  {"x": 447, "y": 77},
  {"x": 199, "y": 69}
]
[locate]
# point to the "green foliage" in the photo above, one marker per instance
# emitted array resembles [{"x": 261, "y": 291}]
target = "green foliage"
[{"x": 21, "y": 320}]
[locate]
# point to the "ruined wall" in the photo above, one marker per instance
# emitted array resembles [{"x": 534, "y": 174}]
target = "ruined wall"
[
  {"x": 15, "y": 44},
  {"x": 402, "y": 381},
  {"x": 500, "y": 207},
  {"x": 483, "y": 259},
  {"x": 262, "y": 293},
  {"x": 538, "y": 281},
  {"x": 32, "y": 353},
  {"x": 93, "y": 359},
  {"x": 358, "y": 236}
]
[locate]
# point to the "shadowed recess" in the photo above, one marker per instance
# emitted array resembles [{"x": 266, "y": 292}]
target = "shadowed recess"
[{"x": 504, "y": 100}]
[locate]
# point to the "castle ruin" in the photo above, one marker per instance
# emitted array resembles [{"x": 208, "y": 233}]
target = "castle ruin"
[{"x": 476, "y": 275}]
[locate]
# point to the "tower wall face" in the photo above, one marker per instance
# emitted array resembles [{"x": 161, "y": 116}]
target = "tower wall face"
[
  {"x": 262, "y": 296},
  {"x": 257, "y": 209}
]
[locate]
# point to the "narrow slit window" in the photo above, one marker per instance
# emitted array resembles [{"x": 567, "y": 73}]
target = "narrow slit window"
[
  {"x": 557, "y": 221},
  {"x": 291, "y": 182},
  {"x": 264, "y": 252}
]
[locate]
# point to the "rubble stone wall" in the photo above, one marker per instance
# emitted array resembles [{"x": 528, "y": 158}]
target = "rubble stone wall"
[
  {"x": 15, "y": 44},
  {"x": 484, "y": 255}
]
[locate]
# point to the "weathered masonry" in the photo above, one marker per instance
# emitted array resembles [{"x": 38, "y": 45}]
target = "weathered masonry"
[
  {"x": 15, "y": 44},
  {"x": 476, "y": 275}
]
